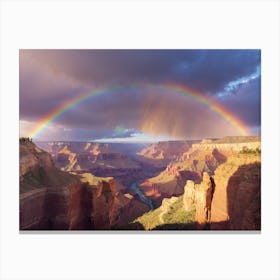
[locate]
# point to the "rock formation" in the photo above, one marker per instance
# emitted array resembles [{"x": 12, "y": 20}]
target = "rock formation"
[
  {"x": 54, "y": 199},
  {"x": 172, "y": 180},
  {"x": 204, "y": 156},
  {"x": 113, "y": 160},
  {"x": 162, "y": 153},
  {"x": 213, "y": 185},
  {"x": 200, "y": 196},
  {"x": 189, "y": 195},
  {"x": 231, "y": 198},
  {"x": 37, "y": 169},
  {"x": 236, "y": 202}
]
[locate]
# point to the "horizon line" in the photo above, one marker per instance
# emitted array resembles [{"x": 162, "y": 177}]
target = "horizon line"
[{"x": 109, "y": 141}]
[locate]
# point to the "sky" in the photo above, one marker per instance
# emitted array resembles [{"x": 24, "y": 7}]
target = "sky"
[{"x": 134, "y": 94}]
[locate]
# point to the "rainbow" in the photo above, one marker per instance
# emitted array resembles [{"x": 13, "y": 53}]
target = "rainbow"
[{"x": 214, "y": 106}]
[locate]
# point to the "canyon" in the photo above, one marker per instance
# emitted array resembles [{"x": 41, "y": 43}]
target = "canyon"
[
  {"x": 209, "y": 184},
  {"x": 52, "y": 199}
]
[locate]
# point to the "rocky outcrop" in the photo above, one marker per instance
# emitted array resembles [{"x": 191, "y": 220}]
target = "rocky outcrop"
[
  {"x": 173, "y": 179},
  {"x": 45, "y": 209},
  {"x": 232, "y": 147},
  {"x": 200, "y": 196},
  {"x": 229, "y": 144},
  {"x": 189, "y": 195},
  {"x": 202, "y": 157},
  {"x": 37, "y": 170},
  {"x": 55, "y": 200},
  {"x": 165, "y": 186},
  {"x": 203, "y": 199},
  {"x": 32, "y": 158},
  {"x": 162, "y": 153},
  {"x": 236, "y": 202},
  {"x": 230, "y": 200},
  {"x": 75, "y": 147},
  {"x": 103, "y": 205},
  {"x": 79, "y": 207},
  {"x": 223, "y": 147},
  {"x": 97, "y": 158}
]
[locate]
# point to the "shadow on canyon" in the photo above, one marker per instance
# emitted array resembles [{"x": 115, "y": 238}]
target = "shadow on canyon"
[
  {"x": 244, "y": 198},
  {"x": 243, "y": 206}
]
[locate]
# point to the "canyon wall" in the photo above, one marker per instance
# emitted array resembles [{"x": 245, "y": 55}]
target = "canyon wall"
[
  {"x": 234, "y": 147},
  {"x": 51, "y": 199},
  {"x": 237, "y": 199},
  {"x": 78, "y": 207},
  {"x": 168, "y": 150},
  {"x": 231, "y": 199},
  {"x": 218, "y": 185},
  {"x": 45, "y": 208}
]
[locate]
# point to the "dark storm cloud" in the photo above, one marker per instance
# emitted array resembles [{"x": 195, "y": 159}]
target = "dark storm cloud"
[
  {"x": 204, "y": 70},
  {"x": 48, "y": 78},
  {"x": 246, "y": 102}
]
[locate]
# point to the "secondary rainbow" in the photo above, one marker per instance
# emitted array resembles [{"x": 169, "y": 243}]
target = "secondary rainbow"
[{"x": 214, "y": 106}]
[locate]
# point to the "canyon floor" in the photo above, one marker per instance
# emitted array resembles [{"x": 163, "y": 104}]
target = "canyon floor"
[{"x": 208, "y": 184}]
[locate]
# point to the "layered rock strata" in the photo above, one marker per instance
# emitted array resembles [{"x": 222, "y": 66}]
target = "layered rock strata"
[
  {"x": 51, "y": 199},
  {"x": 231, "y": 199}
]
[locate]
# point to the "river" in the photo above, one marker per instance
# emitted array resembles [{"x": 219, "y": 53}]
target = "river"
[{"x": 135, "y": 188}]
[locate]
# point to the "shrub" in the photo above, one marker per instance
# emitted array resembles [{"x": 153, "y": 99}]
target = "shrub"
[
  {"x": 247, "y": 151},
  {"x": 23, "y": 140}
]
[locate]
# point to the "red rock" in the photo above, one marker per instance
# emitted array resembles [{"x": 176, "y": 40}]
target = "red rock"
[
  {"x": 63, "y": 202},
  {"x": 45, "y": 208},
  {"x": 236, "y": 202},
  {"x": 203, "y": 198}
]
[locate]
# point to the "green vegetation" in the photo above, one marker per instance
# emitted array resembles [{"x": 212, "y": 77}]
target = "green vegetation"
[
  {"x": 170, "y": 216},
  {"x": 150, "y": 219},
  {"x": 247, "y": 151},
  {"x": 93, "y": 180},
  {"x": 178, "y": 214}
]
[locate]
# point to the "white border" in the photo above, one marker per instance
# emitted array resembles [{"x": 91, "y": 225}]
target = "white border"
[{"x": 139, "y": 24}]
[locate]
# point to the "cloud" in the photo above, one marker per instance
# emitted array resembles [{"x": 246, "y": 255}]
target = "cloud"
[
  {"x": 234, "y": 85},
  {"x": 204, "y": 70},
  {"x": 50, "y": 78},
  {"x": 246, "y": 102}
]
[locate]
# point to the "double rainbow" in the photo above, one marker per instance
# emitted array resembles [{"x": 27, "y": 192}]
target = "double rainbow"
[{"x": 69, "y": 104}]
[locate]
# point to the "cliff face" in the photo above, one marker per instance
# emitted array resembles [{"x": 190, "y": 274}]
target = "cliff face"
[
  {"x": 200, "y": 196},
  {"x": 83, "y": 156},
  {"x": 230, "y": 200},
  {"x": 205, "y": 156},
  {"x": 75, "y": 147},
  {"x": 237, "y": 199},
  {"x": 97, "y": 158},
  {"x": 37, "y": 170},
  {"x": 51, "y": 199},
  {"x": 173, "y": 179},
  {"x": 216, "y": 187},
  {"x": 159, "y": 155},
  {"x": 79, "y": 206},
  {"x": 45, "y": 208},
  {"x": 166, "y": 150},
  {"x": 230, "y": 147},
  {"x": 32, "y": 158}
]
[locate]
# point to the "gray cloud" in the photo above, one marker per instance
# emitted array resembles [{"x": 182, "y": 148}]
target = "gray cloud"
[{"x": 48, "y": 78}]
